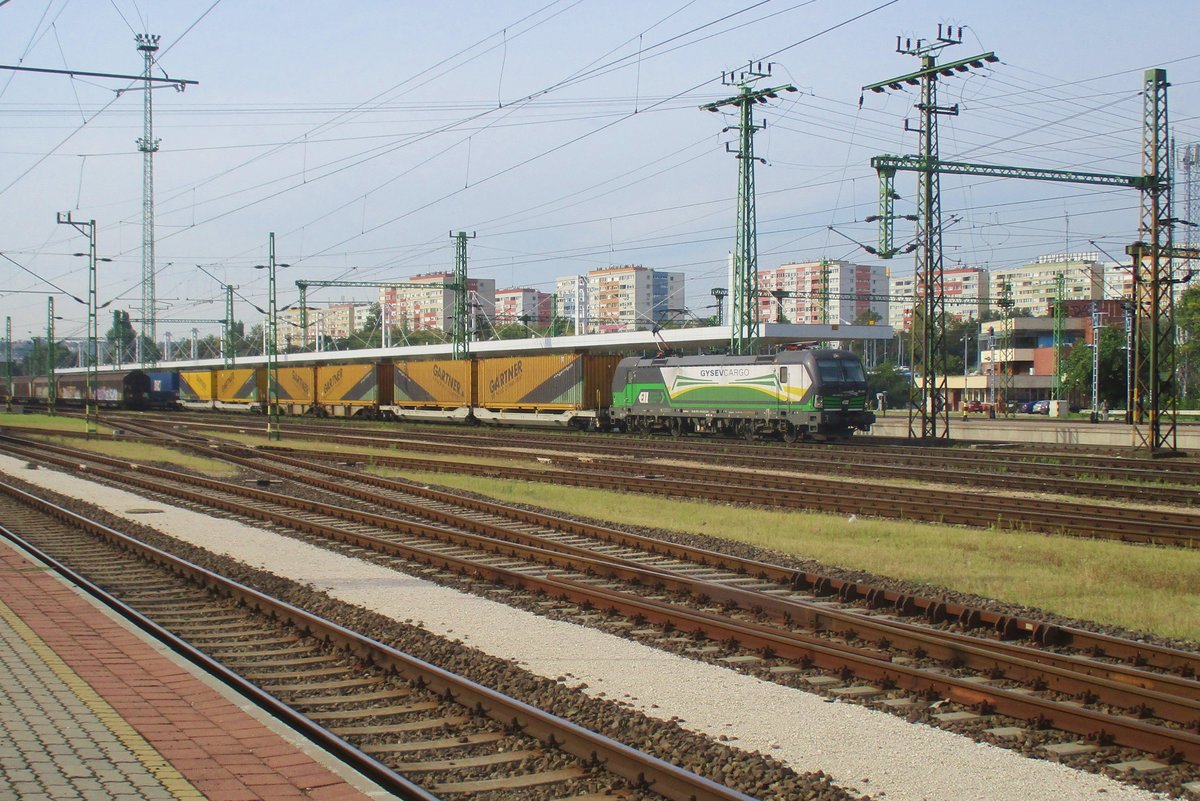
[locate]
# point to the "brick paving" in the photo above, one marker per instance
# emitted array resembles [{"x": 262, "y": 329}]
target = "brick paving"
[{"x": 90, "y": 711}]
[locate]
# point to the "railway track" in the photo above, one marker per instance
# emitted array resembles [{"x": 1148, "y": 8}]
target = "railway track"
[
  {"x": 1150, "y": 711},
  {"x": 424, "y": 732},
  {"x": 1041, "y": 460},
  {"x": 1112, "y": 482},
  {"x": 935, "y": 505}
]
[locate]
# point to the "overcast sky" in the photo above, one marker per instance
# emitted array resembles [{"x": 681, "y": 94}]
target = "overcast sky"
[{"x": 566, "y": 134}]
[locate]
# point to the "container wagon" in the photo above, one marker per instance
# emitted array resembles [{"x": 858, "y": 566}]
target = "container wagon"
[
  {"x": 239, "y": 388},
  {"x": 439, "y": 389},
  {"x": 198, "y": 389},
  {"x": 569, "y": 389},
  {"x": 354, "y": 390}
]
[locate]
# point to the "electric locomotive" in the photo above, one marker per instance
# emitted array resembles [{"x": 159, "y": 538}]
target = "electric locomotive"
[{"x": 798, "y": 394}]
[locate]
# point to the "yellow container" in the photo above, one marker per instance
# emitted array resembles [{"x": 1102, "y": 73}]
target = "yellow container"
[
  {"x": 347, "y": 385},
  {"x": 240, "y": 384},
  {"x": 435, "y": 384},
  {"x": 296, "y": 385},
  {"x": 545, "y": 382},
  {"x": 197, "y": 386}
]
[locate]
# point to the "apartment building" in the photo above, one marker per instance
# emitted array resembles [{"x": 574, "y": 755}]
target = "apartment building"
[
  {"x": 623, "y": 298},
  {"x": 1033, "y": 286},
  {"x": 336, "y": 321},
  {"x": 967, "y": 291},
  {"x": 795, "y": 292},
  {"x": 522, "y": 305},
  {"x": 429, "y": 305}
]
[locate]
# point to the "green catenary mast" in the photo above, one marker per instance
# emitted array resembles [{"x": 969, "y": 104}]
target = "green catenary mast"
[{"x": 743, "y": 315}]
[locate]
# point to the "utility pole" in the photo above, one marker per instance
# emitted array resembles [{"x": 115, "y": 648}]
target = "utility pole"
[
  {"x": 8, "y": 365},
  {"x": 461, "y": 338},
  {"x": 270, "y": 345},
  {"x": 88, "y": 229},
  {"x": 743, "y": 316},
  {"x": 1060, "y": 324},
  {"x": 1096, "y": 320},
  {"x": 229, "y": 351},
  {"x": 929, "y": 307},
  {"x": 51, "y": 390},
  {"x": 1004, "y": 378},
  {"x": 195, "y": 344}
]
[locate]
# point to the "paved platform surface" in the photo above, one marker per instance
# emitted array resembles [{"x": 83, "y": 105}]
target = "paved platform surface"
[{"x": 90, "y": 710}]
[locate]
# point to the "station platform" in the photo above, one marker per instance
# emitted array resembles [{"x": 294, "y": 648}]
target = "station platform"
[
  {"x": 91, "y": 709},
  {"x": 1034, "y": 429}
]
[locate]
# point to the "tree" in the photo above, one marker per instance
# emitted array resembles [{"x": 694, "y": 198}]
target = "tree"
[
  {"x": 1187, "y": 323},
  {"x": 121, "y": 338},
  {"x": 1078, "y": 369},
  {"x": 889, "y": 379}
]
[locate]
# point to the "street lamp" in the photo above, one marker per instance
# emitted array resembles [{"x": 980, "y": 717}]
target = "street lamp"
[{"x": 272, "y": 361}]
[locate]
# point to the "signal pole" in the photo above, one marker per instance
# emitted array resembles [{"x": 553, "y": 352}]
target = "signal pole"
[{"x": 743, "y": 314}]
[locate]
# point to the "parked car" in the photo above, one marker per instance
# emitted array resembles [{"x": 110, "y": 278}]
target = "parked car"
[
  {"x": 1040, "y": 407},
  {"x": 974, "y": 406}
]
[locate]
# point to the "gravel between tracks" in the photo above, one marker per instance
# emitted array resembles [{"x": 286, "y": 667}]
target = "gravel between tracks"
[{"x": 864, "y": 751}]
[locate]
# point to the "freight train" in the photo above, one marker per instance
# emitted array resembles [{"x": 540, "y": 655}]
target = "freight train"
[{"x": 818, "y": 394}]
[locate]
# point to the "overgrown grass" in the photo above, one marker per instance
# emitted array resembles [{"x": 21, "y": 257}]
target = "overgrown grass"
[
  {"x": 45, "y": 421},
  {"x": 151, "y": 454},
  {"x": 1143, "y": 588}
]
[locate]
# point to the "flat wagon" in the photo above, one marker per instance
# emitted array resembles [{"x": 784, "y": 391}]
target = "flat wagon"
[
  {"x": 553, "y": 389},
  {"x": 436, "y": 389}
]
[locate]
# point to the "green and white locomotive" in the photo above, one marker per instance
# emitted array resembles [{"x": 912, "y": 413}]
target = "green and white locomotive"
[{"x": 797, "y": 394}]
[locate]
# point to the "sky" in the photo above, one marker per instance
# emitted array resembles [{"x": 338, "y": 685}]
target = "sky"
[{"x": 565, "y": 134}]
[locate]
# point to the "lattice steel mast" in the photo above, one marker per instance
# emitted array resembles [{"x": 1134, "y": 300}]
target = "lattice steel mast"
[
  {"x": 461, "y": 334},
  {"x": 147, "y": 45},
  {"x": 743, "y": 309},
  {"x": 1155, "y": 401},
  {"x": 930, "y": 418}
]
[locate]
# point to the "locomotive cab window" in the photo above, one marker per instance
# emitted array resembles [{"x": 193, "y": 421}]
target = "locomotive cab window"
[{"x": 830, "y": 371}]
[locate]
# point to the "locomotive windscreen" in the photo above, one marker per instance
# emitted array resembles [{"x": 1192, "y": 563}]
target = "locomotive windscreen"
[{"x": 837, "y": 371}]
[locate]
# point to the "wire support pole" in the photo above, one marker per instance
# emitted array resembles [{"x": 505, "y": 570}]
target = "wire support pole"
[
  {"x": 1060, "y": 331},
  {"x": 744, "y": 296},
  {"x": 1155, "y": 399},
  {"x": 460, "y": 335},
  {"x": 273, "y": 432},
  {"x": 931, "y": 420},
  {"x": 51, "y": 390},
  {"x": 147, "y": 45},
  {"x": 228, "y": 350},
  {"x": 8, "y": 364}
]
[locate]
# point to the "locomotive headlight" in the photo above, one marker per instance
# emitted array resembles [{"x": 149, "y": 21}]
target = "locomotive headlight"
[{"x": 819, "y": 402}]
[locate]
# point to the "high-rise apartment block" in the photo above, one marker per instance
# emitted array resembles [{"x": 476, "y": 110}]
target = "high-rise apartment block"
[
  {"x": 818, "y": 292},
  {"x": 519, "y": 305},
  {"x": 1034, "y": 286},
  {"x": 430, "y": 305},
  {"x": 967, "y": 291},
  {"x": 336, "y": 321},
  {"x": 625, "y": 298}
]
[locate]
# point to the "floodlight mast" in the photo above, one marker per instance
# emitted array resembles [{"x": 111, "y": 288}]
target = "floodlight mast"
[
  {"x": 743, "y": 314},
  {"x": 147, "y": 45}
]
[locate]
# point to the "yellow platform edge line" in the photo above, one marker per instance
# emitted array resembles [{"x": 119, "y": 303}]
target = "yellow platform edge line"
[{"x": 155, "y": 763}]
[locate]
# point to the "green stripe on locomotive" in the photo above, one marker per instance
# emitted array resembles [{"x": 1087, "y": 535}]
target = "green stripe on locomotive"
[{"x": 751, "y": 395}]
